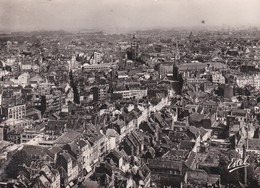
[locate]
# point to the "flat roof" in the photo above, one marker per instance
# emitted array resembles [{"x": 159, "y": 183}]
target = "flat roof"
[{"x": 194, "y": 66}]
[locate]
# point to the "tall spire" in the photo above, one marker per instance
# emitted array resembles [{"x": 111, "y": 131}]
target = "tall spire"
[
  {"x": 134, "y": 48},
  {"x": 177, "y": 50},
  {"x": 175, "y": 71}
]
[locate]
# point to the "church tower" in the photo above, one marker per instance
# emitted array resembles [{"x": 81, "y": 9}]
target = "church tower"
[{"x": 134, "y": 48}]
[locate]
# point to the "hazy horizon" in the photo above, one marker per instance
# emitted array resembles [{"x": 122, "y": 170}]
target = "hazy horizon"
[{"x": 118, "y": 15}]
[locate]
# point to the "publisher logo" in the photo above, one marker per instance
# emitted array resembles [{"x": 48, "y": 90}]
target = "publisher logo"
[{"x": 237, "y": 163}]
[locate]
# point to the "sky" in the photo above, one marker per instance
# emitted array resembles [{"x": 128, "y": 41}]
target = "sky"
[{"x": 31, "y": 15}]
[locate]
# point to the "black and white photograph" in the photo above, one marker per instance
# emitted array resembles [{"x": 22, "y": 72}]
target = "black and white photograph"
[{"x": 129, "y": 93}]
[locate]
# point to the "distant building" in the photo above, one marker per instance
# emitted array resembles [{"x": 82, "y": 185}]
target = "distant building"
[
  {"x": 44, "y": 88},
  {"x": 14, "y": 136},
  {"x": 27, "y": 135},
  {"x": 200, "y": 66},
  {"x": 26, "y": 67},
  {"x": 99, "y": 93},
  {"x": 122, "y": 74},
  {"x": 200, "y": 178},
  {"x": 69, "y": 164},
  {"x": 3, "y": 132},
  {"x": 196, "y": 80},
  {"x": 96, "y": 58},
  {"x": 134, "y": 48},
  {"x": 34, "y": 81},
  {"x": 228, "y": 91},
  {"x": 132, "y": 52},
  {"x": 252, "y": 80},
  {"x": 23, "y": 79},
  {"x": 99, "y": 67},
  {"x": 165, "y": 69},
  {"x": 14, "y": 112},
  {"x": 135, "y": 93},
  {"x": 218, "y": 78},
  {"x": 47, "y": 103}
]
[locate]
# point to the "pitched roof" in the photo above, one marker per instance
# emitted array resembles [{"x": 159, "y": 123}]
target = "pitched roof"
[
  {"x": 195, "y": 131},
  {"x": 45, "y": 182},
  {"x": 74, "y": 148},
  {"x": 90, "y": 184},
  {"x": 254, "y": 144},
  {"x": 160, "y": 119},
  {"x": 178, "y": 136},
  {"x": 196, "y": 117},
  {"x": 93, "y": 136},
  {"x": 55, "y": 124},
  {"x": 54, "y": 150},
  {"x": 202, "y": 131},
  {"x": 238, "y": 112},
  {"x": 257, "y": 170},
  {"x": 133, "y": 139},
  {"x": 187, "y": 145},
  {"x": 164, "y": 164},
  {"x": 176, "y": 154},
  {"x": 30, "y": 111},
  {"x": 68, "y": 137},
  {"x": 82, "y": 143},
  {"x": 116, "y": 154},
  {"x": 66, "y": 156},
  {"x": 191, "y": 159},
  {"x": 35, "y": 150},
  {"x": 37, "y": 78},
  {"x": 196, "y": 176}
]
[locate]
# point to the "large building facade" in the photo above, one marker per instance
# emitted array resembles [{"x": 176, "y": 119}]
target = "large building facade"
[
  {"x": 252, "y": 80},
  {"x": 14, "y": 112}
]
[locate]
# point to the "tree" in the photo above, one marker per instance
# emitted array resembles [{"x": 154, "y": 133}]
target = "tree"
[
  {"x": 224, "y": 160},
  {"x": 253, "y": 160},
  {"x": 250, "y": 173},
  {"x": 16, "y": 163}
]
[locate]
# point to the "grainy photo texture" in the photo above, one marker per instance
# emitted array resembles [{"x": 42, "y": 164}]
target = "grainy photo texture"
[{"x": 129, "y": 93}]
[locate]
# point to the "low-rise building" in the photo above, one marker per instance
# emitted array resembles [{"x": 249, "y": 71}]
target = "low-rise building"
[
  {"x": 99, "y": 67},
  {"x": 27, "y": 135},
  {"x": 135, "y": 93}
]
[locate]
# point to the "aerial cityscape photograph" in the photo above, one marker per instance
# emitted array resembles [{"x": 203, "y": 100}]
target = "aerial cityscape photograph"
[{"x": 129, "y": 93}]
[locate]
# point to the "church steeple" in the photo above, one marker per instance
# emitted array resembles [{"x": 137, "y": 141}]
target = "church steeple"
[
  {"x": 134, "y": 48},
  {"x": 177, "y": 55},
  {"x": 175, "y": 71}
]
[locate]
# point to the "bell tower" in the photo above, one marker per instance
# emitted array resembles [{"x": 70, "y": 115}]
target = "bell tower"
[{"x": 134, "y": 48}]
